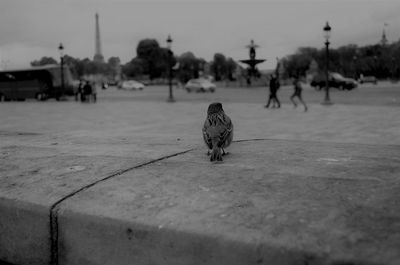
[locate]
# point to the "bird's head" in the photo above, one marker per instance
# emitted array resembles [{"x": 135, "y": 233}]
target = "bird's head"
[{"x": 214, "y": 108}]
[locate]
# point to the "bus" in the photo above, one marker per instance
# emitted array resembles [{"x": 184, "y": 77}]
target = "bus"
[{"x": 40, "y": 82}]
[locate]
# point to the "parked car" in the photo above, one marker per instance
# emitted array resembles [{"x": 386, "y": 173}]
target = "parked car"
[
  {"x": 200, "y": 85},
  {"x": 131, "y": 85},
  {"x": 112, "y": 82},
  {"x": 334, "y": 80},
  {"x": 368, "y": 79}
]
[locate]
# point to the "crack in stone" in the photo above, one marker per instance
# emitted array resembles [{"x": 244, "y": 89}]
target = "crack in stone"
[{"x": 55, "y": 207}]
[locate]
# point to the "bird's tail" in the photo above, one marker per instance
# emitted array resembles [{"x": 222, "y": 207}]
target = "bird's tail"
[{"x": 216, "y": 154}]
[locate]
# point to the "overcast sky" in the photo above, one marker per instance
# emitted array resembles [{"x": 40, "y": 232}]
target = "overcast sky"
[{"x": 30, "y": 29}]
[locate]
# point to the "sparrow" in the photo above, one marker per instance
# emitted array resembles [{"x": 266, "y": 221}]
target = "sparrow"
[{"x": 217, "y": 131}]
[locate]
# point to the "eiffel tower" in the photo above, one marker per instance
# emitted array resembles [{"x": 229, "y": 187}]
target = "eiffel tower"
[
  {"x": 384, "y": 40},
  {"x": 98, "y": 56}
]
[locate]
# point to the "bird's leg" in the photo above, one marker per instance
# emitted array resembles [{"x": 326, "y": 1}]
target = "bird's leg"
[{"x": 223, "y": 152}]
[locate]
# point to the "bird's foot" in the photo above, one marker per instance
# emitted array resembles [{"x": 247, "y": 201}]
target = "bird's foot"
[
  {"x": 224, "y": 153},
  {"x": 216, "y": 159},
  {"x": 216, "y": 155}
]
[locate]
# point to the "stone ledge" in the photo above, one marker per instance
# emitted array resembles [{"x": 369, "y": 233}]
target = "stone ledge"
[
  {"x": 268, "y": 202},
  {"x": 33, "y": 180}
]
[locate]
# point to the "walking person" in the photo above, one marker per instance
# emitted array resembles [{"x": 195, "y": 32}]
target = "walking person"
[
  {"x": 297, "y": 93},
  {"x": 95, "y": 86},
  {"x": 87, "y": 92},
  {"x": 273, "y": 89},
  {"x": 78, "y": 92}
]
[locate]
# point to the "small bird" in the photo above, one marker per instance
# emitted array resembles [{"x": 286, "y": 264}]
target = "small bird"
[{"x": 217, "y": 131}]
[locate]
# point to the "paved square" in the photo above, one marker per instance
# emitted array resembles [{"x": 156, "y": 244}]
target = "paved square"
[{"x": 72, "y": 171}]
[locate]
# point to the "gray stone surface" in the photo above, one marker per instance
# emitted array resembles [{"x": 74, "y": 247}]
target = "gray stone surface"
[
  {"x": 268, "y": 202},
  {"x": 49, "y": 150},
  {"x": 34, "y": 178}
]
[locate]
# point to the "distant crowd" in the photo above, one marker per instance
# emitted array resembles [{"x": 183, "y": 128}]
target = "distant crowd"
[{"x": 86, "y": 92}]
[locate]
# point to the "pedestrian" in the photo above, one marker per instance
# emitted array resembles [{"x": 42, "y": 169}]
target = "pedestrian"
[
  {"x": 297, "y": 93},
  {"x": 78, "y": 92},
  {"x": 82, "y": 91},
  {"x": 95, "y": 86},
  {"x": 87, "y": 91},
  {"x": 273, "y": 89},
  {"x": 248, "y": 80}
]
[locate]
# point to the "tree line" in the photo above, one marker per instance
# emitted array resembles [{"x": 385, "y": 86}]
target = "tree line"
[
  {"x": 381, "y": 61},
  {"x": 151, "y": 61},
  {"x": 80, "y": 68}
]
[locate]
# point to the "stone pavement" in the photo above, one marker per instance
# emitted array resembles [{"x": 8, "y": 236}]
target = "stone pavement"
[
  {"x": 269, "y": 202},
  {"x": 55, "y": 158},
  {"x": 73, "y": 125}
]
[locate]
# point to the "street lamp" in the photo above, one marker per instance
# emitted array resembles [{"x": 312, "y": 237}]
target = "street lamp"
[
  {"x": 61, "y": 49},
  {"x": 193, "y": 71},
  {"x": 355, "y": 67},
  {"x": 393, "y": 67},
  {"x": 201, "y": 68},
  {"x": 170, "y": 54},
  {"x": 327, "y": 35},
  {"x": 376, "y": 65}
]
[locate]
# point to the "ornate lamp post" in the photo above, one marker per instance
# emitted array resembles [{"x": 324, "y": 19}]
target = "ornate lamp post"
[
  {"x": 193, "y": 70},
  {"x": 61, "y": 49},
  {"x": 355, "y": 67},
  {"x": 170, "y": 53},
  {"x": 393, "y": 67},
  {"x": 327, "y": 35},
  {"x": 201, "y": 69},
  {"x": 376, "y": 66}
]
